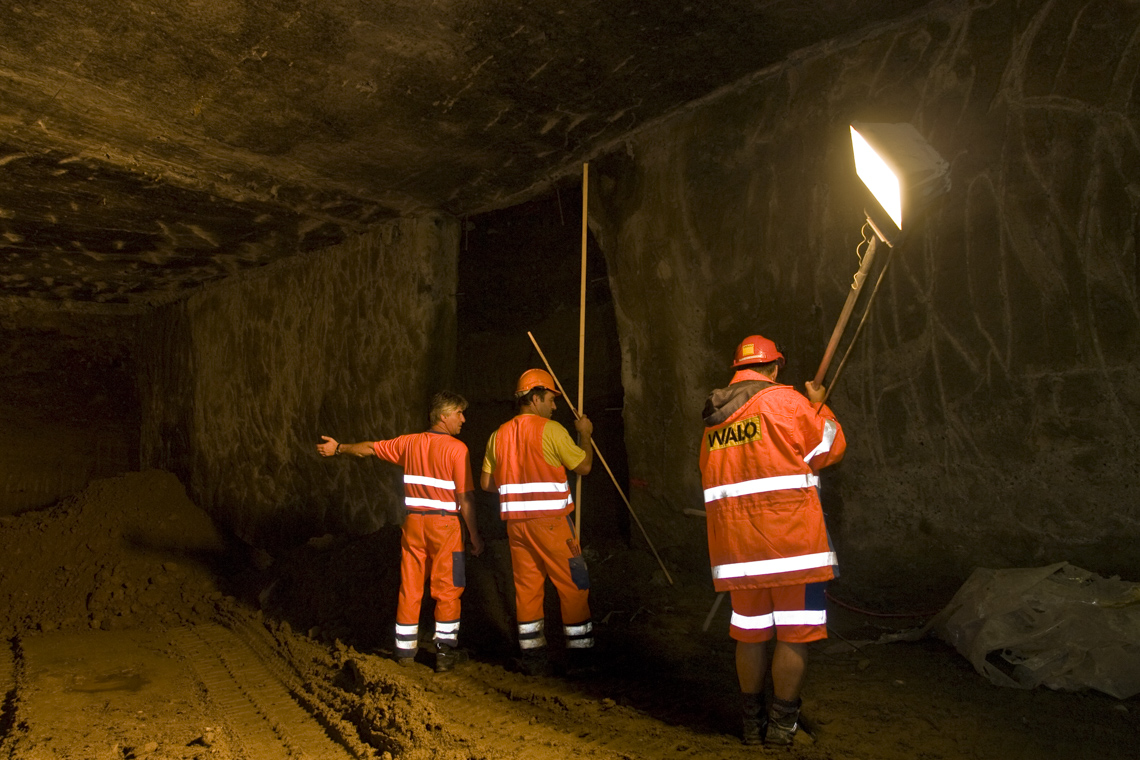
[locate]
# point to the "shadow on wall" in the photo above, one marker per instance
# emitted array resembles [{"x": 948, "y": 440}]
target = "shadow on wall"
[
  {"x": 345, "y": 588},
  {"x": 333, "y": 587},
  {"x": 70, "y": 413}
]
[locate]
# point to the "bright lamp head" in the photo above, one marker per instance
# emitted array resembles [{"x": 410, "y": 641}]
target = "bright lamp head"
[{"x": 900, "y": 169}]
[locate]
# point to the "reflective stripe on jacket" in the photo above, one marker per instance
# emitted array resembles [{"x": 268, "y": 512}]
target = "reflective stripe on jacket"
[
  {"x": 529, "y": 486},
  {"x": 759, "y": 472},
  {"x": 424, "y": 493},
  {"x": 432, "y": 463}
]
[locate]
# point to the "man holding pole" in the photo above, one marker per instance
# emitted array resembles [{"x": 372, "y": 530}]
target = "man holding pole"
[
  {"x": 438, "y": 488},
  {"x": 763, "y": 447},
  {"x": 526, "y": 463}
]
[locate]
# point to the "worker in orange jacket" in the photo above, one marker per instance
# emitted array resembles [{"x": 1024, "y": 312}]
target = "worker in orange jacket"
[
  {"x": 763, "y": 446},
  {"x": 526, "y": 463},
  {"x": 438, "y": 489}
]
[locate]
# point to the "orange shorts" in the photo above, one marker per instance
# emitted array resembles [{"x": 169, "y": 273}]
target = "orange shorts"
[{"x": 795, "y": 614}]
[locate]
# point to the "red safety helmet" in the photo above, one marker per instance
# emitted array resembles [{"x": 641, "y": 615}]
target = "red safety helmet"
[
  {"x": 756, "y": 349},
  {"x": 535, "y": 378}
]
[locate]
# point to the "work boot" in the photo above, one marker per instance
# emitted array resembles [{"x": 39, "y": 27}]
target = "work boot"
[
  {"x": 404, "y": 661},
  {"x": 754, "y": 721},
  {"x": 581, "y": 662},
  {"x": 535, "y": 662},
  {"x": 783, "y": 722},
  {"x": 445, "y": 658}
]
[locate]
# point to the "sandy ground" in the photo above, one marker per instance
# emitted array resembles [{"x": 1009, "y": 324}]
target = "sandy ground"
[{"x": 130, "y": 634}]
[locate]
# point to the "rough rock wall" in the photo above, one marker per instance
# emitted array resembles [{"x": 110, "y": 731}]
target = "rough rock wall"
[
  {"x": 239, "y": 381},
  {"x": 991, "y": 402}
]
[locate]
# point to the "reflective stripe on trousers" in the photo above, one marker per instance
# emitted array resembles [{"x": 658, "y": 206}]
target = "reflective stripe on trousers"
[
  {"x": 407, "y": 640},
  {"x": 579, "y": 635},
  {"x": 447, "y": 632},
  {"x": 532, "y": 635},
  {"x": 780, "y": 617}
]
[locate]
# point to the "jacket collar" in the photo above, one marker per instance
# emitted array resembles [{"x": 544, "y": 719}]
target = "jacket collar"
[{"x": 725, "y": 402}]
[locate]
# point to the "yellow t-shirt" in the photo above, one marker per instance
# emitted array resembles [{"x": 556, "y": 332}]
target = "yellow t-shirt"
[{"x": 558, "y": 448}]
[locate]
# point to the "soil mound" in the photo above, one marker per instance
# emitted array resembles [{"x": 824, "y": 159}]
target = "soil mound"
[{"x": 124, "y": 552}]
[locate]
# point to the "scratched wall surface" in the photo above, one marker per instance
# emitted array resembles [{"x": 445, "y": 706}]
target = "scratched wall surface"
[
  {"x": 991, "y": 401},
  {"x": 239, "y": 381}
]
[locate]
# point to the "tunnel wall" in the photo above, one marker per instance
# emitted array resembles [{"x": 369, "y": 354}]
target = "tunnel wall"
[
  {"x": 990, "y": 404},
  {"x": 238, "y": 382}
]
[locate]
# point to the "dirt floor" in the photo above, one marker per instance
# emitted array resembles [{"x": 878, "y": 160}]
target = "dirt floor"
[{"x": 134, "y": 632}]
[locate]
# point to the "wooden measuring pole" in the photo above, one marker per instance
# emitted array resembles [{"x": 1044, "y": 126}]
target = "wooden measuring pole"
[
  {"x": 602, "y": 459},
  {"x": 581, "y": 345}
]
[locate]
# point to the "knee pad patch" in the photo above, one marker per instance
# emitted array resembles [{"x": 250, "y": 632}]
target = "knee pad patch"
[
  {"x": 458, "y": 570},
  {"x": 578, "y": 573}
]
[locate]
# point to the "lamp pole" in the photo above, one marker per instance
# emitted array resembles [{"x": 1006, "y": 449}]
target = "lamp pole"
[
  {"x": 848, "y": 307},
  {"x": 862, "y": 321}
]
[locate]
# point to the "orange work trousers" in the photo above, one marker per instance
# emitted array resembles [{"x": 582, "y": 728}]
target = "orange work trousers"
[
  {"x": 541, "y": 547},
  {"x": 432, "y": 547}
]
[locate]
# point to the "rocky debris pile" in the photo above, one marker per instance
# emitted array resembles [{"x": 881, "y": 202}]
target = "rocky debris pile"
[{"x": 124, "y": 552}]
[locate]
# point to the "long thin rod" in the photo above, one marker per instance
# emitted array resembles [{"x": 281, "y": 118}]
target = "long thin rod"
[
  {"x": 582, "y": 343},
  {"x": 712, "y": 611},
  {"x": 841, "y": 325},
  {"x": 602, "y": 459}
]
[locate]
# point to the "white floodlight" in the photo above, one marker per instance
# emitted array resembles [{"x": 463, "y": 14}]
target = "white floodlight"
[
  {"x": 878, "y": 177},
  {"x": 904, "y": 174},
  {"x": 900, "y": 169}
]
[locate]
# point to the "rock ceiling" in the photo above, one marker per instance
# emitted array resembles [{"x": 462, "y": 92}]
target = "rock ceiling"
[{"x": 151, "y": 146}]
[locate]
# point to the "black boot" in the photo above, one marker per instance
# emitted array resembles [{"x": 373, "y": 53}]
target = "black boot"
[
  {"x": 535, "y": 662},
  {"x": 783, "y": 722},
  {"x": 445, "y": 658},
  {"x": 581, "y": 662},
  {"x": 754, "y": 720}
]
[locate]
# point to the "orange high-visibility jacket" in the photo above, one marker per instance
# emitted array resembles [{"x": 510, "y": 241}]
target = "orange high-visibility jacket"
[
  {"x": 529, "y": 486},
  {"x": 760, "y": 458},
  {"x": 436, "y": 469}
]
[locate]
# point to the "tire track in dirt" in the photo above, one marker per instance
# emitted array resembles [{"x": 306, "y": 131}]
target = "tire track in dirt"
[
  {"x": 7, "y": 693},
  {"x": 324, "y": 702},
  {"x": 256, "y": 702},
  {"x": 549, "y": 719}
]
